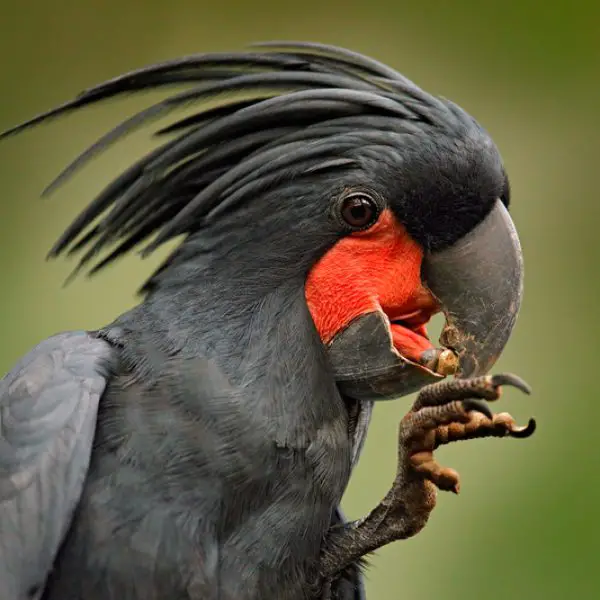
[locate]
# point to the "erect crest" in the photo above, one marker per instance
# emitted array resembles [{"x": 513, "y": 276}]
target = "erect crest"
[{"x": 308, "y": 102}]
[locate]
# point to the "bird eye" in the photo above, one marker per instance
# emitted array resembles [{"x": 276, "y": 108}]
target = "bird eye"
[{"x": 359, "y": 211}]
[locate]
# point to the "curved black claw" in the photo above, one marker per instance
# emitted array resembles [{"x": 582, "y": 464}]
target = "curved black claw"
[
  {"x": 512, "y": 380},
  {"x": 525, "y": 431},
  {"x": 479, "y": 406}
]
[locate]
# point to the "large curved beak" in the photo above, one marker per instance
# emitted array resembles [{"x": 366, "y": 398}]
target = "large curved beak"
[{"x": 479, "y": 284}]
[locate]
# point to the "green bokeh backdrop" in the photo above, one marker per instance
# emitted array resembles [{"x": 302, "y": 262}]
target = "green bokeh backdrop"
[{"x": 525, "y": 524}]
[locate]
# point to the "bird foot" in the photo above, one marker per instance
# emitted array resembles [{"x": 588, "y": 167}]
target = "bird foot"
[{"x": 444, "y": 412}]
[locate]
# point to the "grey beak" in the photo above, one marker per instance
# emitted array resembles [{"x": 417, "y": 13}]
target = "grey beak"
[{"x": 479, "y": 283}]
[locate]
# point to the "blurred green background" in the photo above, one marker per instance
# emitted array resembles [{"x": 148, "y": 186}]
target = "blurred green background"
[{"x": 525, "y": 525}]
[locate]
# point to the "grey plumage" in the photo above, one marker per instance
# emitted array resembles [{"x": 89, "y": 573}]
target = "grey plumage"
[
  {"x": 202, "y": 468},
  {"x": 48, "y": 407}
]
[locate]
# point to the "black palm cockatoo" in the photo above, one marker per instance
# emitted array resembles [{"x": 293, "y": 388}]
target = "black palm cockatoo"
[{"x": 199, "y": 446}]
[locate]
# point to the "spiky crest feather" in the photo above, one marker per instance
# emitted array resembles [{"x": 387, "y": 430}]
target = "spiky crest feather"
[{"x": 310, "y": 103}]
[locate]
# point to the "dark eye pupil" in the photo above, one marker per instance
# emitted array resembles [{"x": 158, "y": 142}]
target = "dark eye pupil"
[{"x": 359, "y": 211}]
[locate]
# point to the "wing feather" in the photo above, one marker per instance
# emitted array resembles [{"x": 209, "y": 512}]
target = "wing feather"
[{"x": 48, "y": 409}]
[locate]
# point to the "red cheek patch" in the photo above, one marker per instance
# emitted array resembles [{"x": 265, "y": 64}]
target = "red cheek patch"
[{"x": 377, "y": 269}]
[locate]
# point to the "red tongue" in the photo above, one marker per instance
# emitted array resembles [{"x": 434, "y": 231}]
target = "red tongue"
[{"x": 410, "y": 343}]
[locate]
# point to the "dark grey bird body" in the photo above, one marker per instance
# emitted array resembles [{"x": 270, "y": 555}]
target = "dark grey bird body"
[
  {"x": 176, "y": 503},
  {"x": 222, "y": 445}
]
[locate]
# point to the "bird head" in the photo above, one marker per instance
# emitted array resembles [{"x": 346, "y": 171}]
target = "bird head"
[{"x": 333, "y": 174}]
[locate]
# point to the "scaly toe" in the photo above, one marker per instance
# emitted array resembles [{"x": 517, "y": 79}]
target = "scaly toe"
[{"x": 445, "y": 478}]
